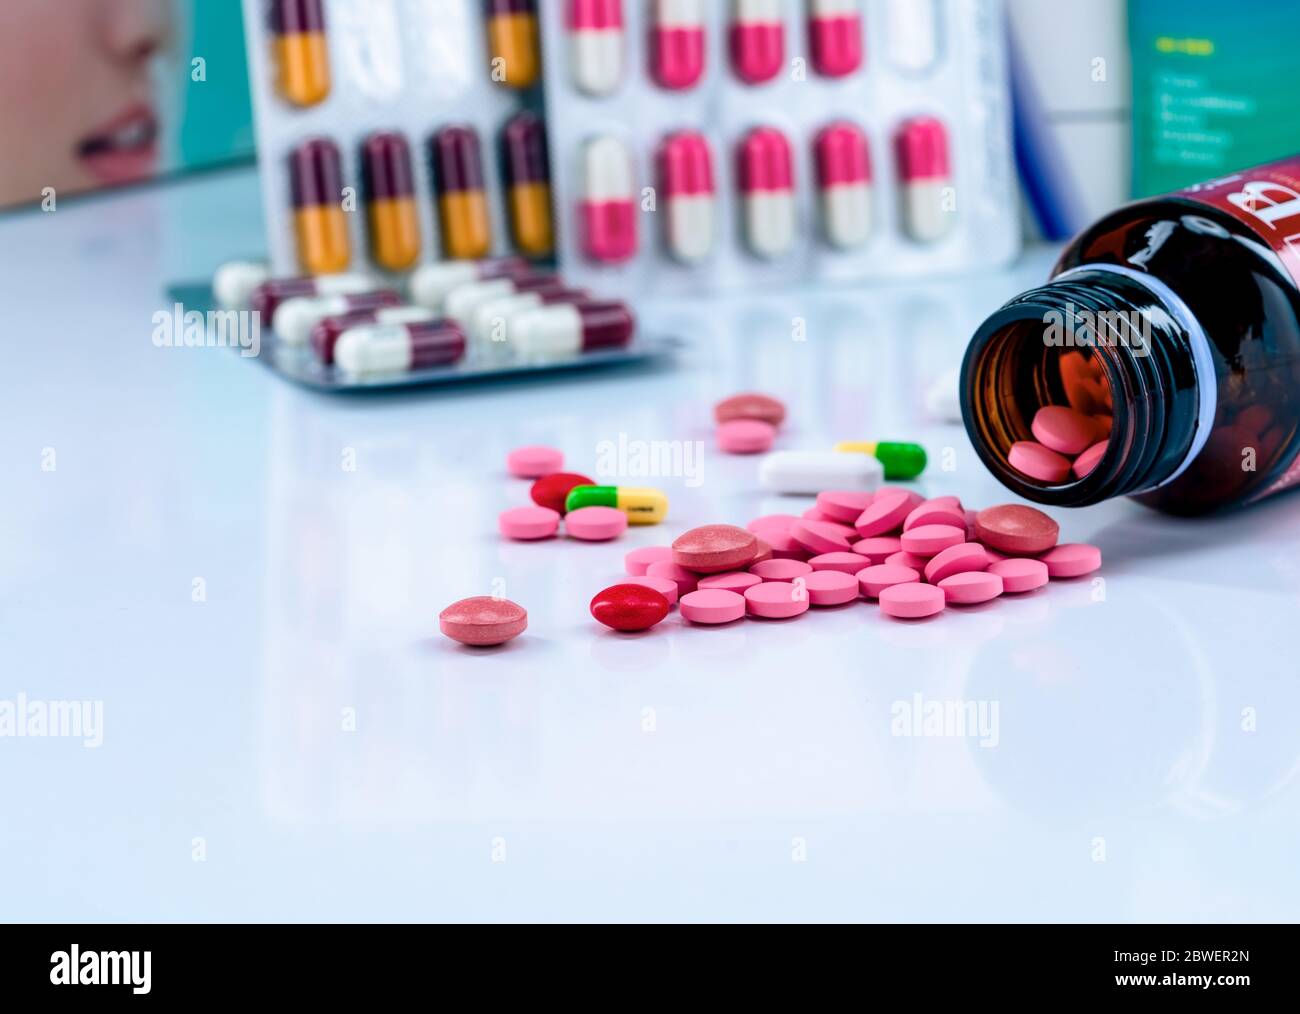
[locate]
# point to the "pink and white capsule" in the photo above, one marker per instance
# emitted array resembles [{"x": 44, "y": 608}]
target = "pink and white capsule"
[
  {"x": 608, "y": 206},
  {"x": 558, "y": 331},
  {"x": 923, "y": 166},
  {"x": 767, "y": 192},
  {"x": 596, "y": 29},
  {"x": 835, "y": 36},
  {"x": 686, "y": 184},
  {"x": 844, "y": 180},
  {"x": 757, "y": 40},
  {"x": 677, "y": 44}
]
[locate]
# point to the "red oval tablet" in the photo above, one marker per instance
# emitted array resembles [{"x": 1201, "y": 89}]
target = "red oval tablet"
[
  {"x": 629, "y": 607},
  {"x": 553, "y": 490}
]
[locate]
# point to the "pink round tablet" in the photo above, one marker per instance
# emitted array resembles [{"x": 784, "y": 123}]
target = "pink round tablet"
[
  {"x": 636, "y": 562},
  {"x": 665, "y": 587},
  {"x": 526, "y": 524},
  {"x": 483, "y": 621},
  {"x": 845, "y": 563},
  {"x": 735, "y": 581},
  {"x": 781, "y": 570},
  {"x": 745, "y": 436},
  {"x": 876, "y": 579},
  {"x": 1090, "y": 459},
  {"x": 685, "y": 580},
  {"x": 1060, "y": 428},
  {"x": 916, "y": 563},
  {"x": 912, "y": 601},
  {"x": 886, "y": 513},
  {"x": 831, "y": 587},
  {"x": 534, "y": 462},
  {"x": 956, "y": 560},
  {"x": 878, "y": 549},
  {"x": 844, "y": 505},
  {"x": 712, "y": 606},
  {"x": 821, "y": 536},
  {"x": 1071, "y": 559},
  {"x": 948, "y": 501},
  {"x": 764, "y": 552},
  {"x": 1020, "y": 575},
  {"x": 971, "y": 588},
  {"x": 784, "y": 546},
  {"x": 815, "y": 514},
  {"x": 595, "y": 524},
  {"x": 929, "y": 540},
  {"x": 932, "y": 512},
  {"x": 781, "y": 522},
  {"x": 1028, "y": 457},
  {"x": 776, "y": 600}
]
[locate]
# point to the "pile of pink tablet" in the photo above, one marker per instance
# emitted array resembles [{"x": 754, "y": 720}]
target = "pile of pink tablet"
[{"x": 912, "y": 556}]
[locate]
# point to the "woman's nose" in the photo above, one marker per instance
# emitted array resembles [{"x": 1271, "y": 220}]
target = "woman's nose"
[{"x": 134, "y": 30}]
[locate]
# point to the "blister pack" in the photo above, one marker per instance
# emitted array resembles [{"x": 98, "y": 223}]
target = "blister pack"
[
  {"x": 392, "y": 133},
  {"x": 703, "y": 145}
]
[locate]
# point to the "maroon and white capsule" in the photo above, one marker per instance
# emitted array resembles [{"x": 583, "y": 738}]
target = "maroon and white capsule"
[
  {"x": 382, "y": 349},
  {"x": 325, "y": 335},
  {"x": 558, "y": 331},
  {"x": 295, "y": 318}
]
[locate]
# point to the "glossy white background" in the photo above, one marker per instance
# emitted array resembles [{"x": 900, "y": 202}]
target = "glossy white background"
[{"x": 1120, "y": 705}]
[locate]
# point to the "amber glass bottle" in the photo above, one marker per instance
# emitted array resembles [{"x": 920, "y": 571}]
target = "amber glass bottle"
[{"x": 1174, "y": 325}]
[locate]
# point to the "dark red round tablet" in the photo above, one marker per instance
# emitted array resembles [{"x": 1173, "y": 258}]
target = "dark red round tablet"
[
  {"x": 750, "y": 405},
  {"x": 629, "y": 607},
  {"x": 712, "y": 549},
  {"x": 483, "y": 621},
  {"x": 1016, "y": 530},
  {"x": 552, "y": 490}
]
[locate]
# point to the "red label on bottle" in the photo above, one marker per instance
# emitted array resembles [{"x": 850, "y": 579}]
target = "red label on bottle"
[{"x": 1267, "y": 200}]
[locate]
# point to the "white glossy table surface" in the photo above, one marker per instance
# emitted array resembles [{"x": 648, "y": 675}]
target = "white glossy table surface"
[{"x": 301, "y": 744}]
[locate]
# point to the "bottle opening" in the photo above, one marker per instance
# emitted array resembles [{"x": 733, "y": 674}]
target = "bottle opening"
[{"x": 1069, "y": 391}]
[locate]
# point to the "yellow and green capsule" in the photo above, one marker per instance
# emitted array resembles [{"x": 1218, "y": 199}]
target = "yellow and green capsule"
[
  {"x": 901, "y": 461},
  {"x": 642, "y": 506}
]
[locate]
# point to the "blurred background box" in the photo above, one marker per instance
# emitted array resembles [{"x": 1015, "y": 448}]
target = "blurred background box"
[
  {"x": 1073, "y": 105},
  {"x": 1214, "y": 88}
]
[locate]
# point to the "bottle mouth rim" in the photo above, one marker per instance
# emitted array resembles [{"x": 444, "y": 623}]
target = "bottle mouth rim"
[{"x": 1136, "y": 453}]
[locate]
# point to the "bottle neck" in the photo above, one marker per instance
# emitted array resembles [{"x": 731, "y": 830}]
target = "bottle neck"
[{"x": 1137, "y": 336}]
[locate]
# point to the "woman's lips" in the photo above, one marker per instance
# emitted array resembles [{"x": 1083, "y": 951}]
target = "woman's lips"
[{"x": 123, "y": 150}]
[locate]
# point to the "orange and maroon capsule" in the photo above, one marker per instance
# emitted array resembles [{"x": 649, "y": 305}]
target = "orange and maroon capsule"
[
  {"x": 462, "y": 199},
  {"x": 528, "y": 184},
  {"x": 299, "y": 51},
  {"x": 320, "y": 224},
  {"x": 513, "y": 42},
  {"x": 390, "y": 196}
]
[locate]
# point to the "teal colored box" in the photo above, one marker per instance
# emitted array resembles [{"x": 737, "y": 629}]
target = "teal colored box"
[{"x": 1214, "y": 88}]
